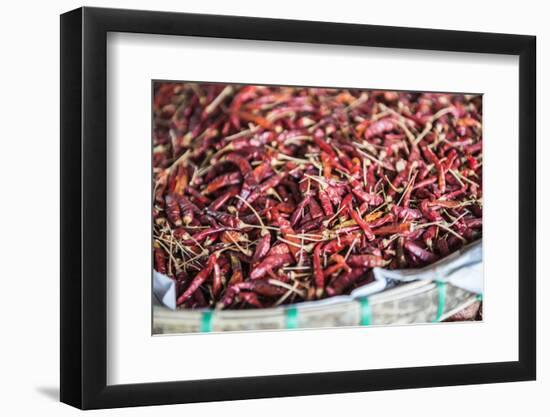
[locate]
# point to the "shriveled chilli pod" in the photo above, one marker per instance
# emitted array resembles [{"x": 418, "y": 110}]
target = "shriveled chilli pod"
[{"x": 274, "y": 195}]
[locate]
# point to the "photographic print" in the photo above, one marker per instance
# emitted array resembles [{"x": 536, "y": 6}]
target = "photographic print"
[
  {"x": 284, "y": 207},
  {"x": 237, "y": 212}
]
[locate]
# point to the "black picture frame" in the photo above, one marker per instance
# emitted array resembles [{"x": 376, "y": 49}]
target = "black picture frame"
[{"x": 84, "y": 207}]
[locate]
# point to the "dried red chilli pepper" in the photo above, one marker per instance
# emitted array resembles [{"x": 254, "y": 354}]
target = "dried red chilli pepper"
[
  {"x": 198, "y": 280},
  {"x": 400, "y": 253},
  {"x": 287, "y": 232},
  {"x": 443, "y": 247},
  {"x": 339, "y": 264},
  {"x": 419, "y": 252},
  {"x": 371, "y": 199},
  {"x": 198, "y": 199},
  {"x": 430, "y": 156},
  {"x": 224, "y": 198},
  {"x": 382, "y": 220},
  {"x": 173, "y": 210},
  {"x": 429, "y": 235},
  {"x": 406, "y": 213},
  {"x": 200, "y": 236},
  {"x": 456, "y": 193},
  {"x": 311, "y": 225},
  {"x": 268, "y": 264},
  {"x": 366, "y": 261},
  {"x": 261, "y": 287},
  {"x": 160, "y": 261},
  {"x": 395, "y": 229},
  {"x": 397, "y": 182},
  {"x": 260, "y": 189},
  {"x": 406, "y": 196},
  {"x": 236, "y": 267},
  {"x": 299, "y": 211},
  {"x": 344, "y": 281},
  {"x": 223, "y": 181},
  {"x": 251, "y": 298},
  {"x": 217, "y": 280},
  {"x": 475, "y": 223},
  {"x": 428, "y": 212},
  {"x": 199, "y": 300},
  {"x": 315, "y": 209},
  {"x": 318, "y": 274},
  {"x": 286, "y": 207},
  {"x": 379, "y": 127},
  {"x": 240, "y": 162},
  {"x": 360, "y": 222},
  {"x": 337, "y": 245},
  {"x": 325, "y": 203},
  {"x": 188, "y": 209},
  {"x": 279, "y": 249},
  {"x": 226, "y": 219},
  {"x": 262, "y": 248}
]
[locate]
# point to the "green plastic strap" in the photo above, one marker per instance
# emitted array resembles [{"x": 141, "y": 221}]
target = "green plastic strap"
[
  {"x": 206, "y": 321},
  {"x": 479, "y": 297},
  {"x": 441, "y": 294},
  {"x": 366, "y": 311},
  {"x": 292, "y": 318}
]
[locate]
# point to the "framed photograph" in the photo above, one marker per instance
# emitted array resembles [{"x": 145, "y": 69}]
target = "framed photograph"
[{"x": 257, "y": 208}]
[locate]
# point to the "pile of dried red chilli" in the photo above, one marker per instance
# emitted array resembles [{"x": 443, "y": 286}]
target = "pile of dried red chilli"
[{"x": 273, "y": 195}]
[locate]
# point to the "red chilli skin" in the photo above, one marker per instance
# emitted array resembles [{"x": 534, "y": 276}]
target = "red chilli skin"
[
  {"x": 173, "y": 210},
  {"x": 373, "y": 200},
  {"x": 223, "y": 181},
  {"x": 237, "y": 271},
  {"x": 425, "y": 183},
  {"x": 299, "y": 211},
  {"x": 398, "y": 181},
  {"x": 203, "y": 234},
  {"x": 338, "y": 265},
  {"x": 406, "y": 213},
  {"x": 217, "y": 281},
  {"x": 279, "y": 249},
  {"x": 262, "y": 248},
  {"x": 366, "y": 261},
  {"x": 429, "y": 235},
  {"x": 261, "y": 189},
  {"x": 430, "y": 214},
  {"x": 337, "y": 245},
  {"x": 187, "y": 209},
  {"x": 224, "y": 218},
  {"x": 442, "y": 247},
  {"x": 261, "y": 287},
  {"x": 288, "y": 233},
  {"x": 430, "y": 156},
  {"x": 388, "y": 218},
  {"x": 315, "y": 209},
  {"x": 224, "y": 198},
  {"x": 160, "y": 261},
  {"x": 325, "y": 203},
  {"x": 420, "y": 253},
  {"x": 240, "y": 162},
  {"x": 397, "y": 229},
  {"x": 268, "y": 264},
  {"x": 199, "y": 279},
  {"x": 379, "y": 127},
  {"x": 318, "y": 270},
  {"x": 360, "y": 222},
  {"x": 251, "y": 298},
  {"x": 344, "y": 281},
  {"x": 474, "y": 223}
]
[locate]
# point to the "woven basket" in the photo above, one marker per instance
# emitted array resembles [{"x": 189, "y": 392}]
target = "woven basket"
[{"x": 414, "y": 302}]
